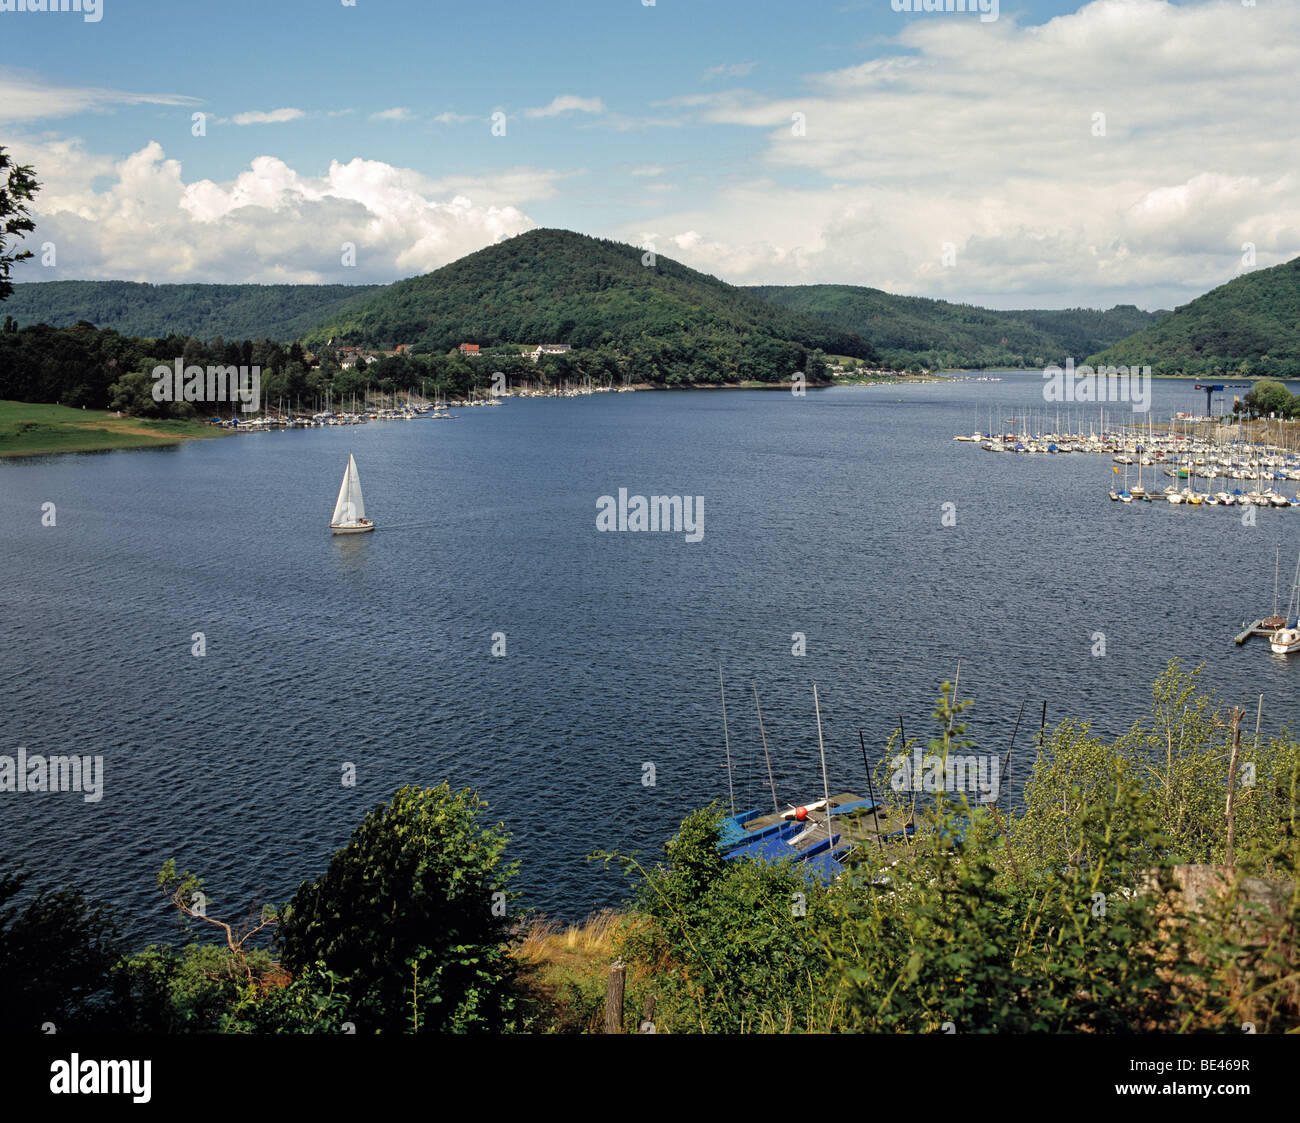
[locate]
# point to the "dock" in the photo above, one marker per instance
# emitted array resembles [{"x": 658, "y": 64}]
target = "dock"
[{"x": 1263, "y": 628}]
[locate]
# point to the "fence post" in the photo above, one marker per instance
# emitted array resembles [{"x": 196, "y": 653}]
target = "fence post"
[
  {"x": 614, "y": 998},
  {"x": 1230, "y": 811}
]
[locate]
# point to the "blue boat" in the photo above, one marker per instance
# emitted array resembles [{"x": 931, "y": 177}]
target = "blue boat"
[{"x": 739, "y": 831}]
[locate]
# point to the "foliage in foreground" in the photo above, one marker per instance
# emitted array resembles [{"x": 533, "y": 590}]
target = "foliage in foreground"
[
  {"x": 1069, "y": 916},
  {"x": 1117, "y": 900},
  {"x": 413, "y": 912},
  {"x": 404, "y": 932}
]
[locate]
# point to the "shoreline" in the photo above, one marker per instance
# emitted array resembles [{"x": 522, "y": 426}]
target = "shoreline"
[{"x": 40, "y": 429}]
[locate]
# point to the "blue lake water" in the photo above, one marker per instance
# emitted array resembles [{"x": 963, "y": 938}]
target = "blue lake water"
[{"x": 822, "y": 515}]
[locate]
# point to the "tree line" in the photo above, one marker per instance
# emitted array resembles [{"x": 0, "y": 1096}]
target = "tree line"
[{"x": 85, "y": 366}]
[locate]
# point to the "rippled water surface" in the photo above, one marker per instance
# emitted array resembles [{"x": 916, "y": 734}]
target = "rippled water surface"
[{"x": 822, "y": 516}]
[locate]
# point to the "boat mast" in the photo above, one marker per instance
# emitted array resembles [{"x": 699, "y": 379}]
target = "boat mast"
[
  {"x": 821, "y": 748},
  {"x": 871, "y": 790},
  {"x": 731, "y": 791},
  {"x": 1277, "y": 563},
  {"x": 1292, "y": 610},
  {"x": 776, "y": 807}
]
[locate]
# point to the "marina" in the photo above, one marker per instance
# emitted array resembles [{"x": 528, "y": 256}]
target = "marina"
[
  {"x": 404, "y": 407},
  {"x": 1242, "y": 464}
]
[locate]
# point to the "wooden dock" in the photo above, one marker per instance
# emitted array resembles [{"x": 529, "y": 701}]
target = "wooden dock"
[{"x": 1264, "y": 628}]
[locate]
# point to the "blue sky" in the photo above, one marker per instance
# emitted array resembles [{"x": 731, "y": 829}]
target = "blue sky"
[{"x": 940, "y": 154}]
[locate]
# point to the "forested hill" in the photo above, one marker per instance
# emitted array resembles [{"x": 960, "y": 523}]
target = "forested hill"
[
  {"x": 1249, "y": 327},
  {"x": 555, "y": 286},
  {"x": 659, "y": 321},
  {"x": 936, "y": 333},
  {"x": 281, "y": 312}
]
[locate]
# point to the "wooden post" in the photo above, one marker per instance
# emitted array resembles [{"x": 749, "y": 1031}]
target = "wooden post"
[
  {"x": 1230, "y": 812},
  {"x": 614, "y": 998}
]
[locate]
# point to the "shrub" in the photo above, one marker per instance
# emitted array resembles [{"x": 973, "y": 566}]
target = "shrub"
[{"x": 412, "y": 913}]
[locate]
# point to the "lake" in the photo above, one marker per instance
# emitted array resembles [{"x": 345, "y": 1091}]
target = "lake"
[{"x": 822, "y": 515}]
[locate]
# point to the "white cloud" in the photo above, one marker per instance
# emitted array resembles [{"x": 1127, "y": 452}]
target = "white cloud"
[
  {"x": 140, "y": 219},
  {"x": 729, "y": 70},
  {"x": 567, "y": 103},
  {"x": 26, "y": 97},
  {"x": 398, "y": 113},
  {"x": 982, "y": 135},
  {"x": 260, "y": 117}
]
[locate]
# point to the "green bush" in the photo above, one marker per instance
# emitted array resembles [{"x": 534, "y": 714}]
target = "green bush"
[
  {"x": 735, "y": 946},
  {"x": 412, "y": 912},
  {"x": 55, "y": 952}
]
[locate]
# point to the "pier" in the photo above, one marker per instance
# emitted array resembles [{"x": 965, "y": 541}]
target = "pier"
[{"x": 1262, "y": 628}]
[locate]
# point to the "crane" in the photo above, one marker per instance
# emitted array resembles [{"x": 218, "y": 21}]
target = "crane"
[{"x": 1218, "y": 388}]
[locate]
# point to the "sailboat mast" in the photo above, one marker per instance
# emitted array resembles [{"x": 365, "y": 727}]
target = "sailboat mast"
[
  {"x": 871, "y": 789},
  {"x": 1277, "y": 572},
  {"x": 826, "y": 787},
  {"x": 726, "y": 738},
  {"x": 776, "y": 807},
  {"x": 1292, "y": 609}
]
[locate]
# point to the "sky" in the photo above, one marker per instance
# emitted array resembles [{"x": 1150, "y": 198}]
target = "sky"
[{"x": 1033, "y": 154}]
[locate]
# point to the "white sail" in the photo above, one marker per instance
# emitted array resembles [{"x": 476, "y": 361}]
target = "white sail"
[
  {"x": 354, "y": 486},
  {"x": 350, "y": 507}
]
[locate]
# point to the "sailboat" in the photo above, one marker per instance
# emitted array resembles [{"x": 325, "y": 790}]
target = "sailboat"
[
  {"x": 350, "y": 508},
  {"x": 1286, "y": 641}
]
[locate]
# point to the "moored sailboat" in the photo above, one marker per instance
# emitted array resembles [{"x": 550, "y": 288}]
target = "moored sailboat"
[{"x": 1286, "y": 640}]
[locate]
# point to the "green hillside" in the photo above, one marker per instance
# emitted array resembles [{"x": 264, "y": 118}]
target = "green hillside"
[
  {"x": 936, "y": 333},
  {"x": 280, "y": 312},
  {"x": 1249, "y": 328},
  {"x": 554, "y": 286}
]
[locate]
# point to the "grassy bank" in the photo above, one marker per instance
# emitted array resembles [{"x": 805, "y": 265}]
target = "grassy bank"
[{"x": 28, "y": 429}]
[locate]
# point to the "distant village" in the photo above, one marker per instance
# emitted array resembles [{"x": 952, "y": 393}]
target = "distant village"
[{"x": 350, "y": 356}]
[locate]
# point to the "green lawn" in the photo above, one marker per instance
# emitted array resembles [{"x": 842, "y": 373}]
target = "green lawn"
[{"x": 28, "y": 429}]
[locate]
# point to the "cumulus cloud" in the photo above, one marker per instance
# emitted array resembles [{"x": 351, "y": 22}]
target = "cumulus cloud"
[
  {"x": 1122, "y": 152},
  {"x": 567, "y": 103},
  {"x": 140, "y": 219}
]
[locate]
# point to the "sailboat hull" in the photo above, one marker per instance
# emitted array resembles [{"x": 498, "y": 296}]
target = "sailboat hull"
[
  {"x": 1285, "y": 642},
  {"x": 352, "y": 529}
]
